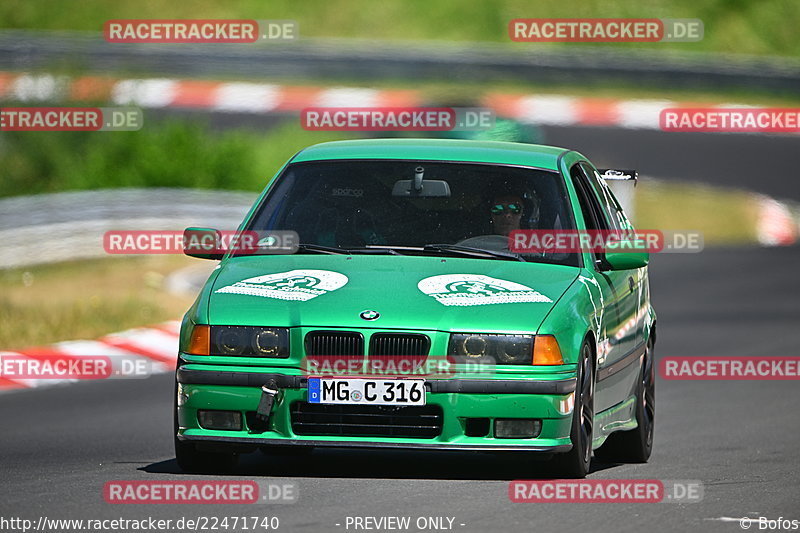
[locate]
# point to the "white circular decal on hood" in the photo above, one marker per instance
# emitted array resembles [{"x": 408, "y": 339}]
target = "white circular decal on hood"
[
  {"x": 476, "y": 289},
  {"x": 299, "y": 285}
]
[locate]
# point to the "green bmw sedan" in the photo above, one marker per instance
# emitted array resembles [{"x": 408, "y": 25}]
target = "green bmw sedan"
[{"x": 397, "y": 313}]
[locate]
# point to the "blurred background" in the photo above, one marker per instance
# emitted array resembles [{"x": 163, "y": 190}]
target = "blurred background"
[{"x": 220, "y": 119}]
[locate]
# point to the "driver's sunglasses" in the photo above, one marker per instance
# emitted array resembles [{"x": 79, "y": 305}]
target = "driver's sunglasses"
[{"x": 499, "y": 209}]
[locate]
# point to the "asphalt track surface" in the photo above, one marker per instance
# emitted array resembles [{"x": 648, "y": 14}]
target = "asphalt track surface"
[
  {"x": 760, "y": 163},
  {"x": 59, "y": 445}
]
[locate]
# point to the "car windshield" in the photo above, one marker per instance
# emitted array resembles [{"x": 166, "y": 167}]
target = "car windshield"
[{"x": 371, "y": 207}]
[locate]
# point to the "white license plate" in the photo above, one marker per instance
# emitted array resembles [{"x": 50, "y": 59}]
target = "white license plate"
[{"x": 366, "y": 391}]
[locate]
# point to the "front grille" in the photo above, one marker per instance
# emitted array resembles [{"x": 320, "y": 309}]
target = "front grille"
[
  {"x": 399, "y": 344},
  {"x": 334, "y": 343},
  {"x": 421, "y": 422}
]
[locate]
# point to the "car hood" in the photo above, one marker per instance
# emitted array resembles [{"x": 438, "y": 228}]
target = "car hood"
[{"x": 409, "y": 292}]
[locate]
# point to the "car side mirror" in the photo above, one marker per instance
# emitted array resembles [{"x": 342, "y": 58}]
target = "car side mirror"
[
  {"x": 626, "y": 260},
  {"x": 203, "y": 243}
]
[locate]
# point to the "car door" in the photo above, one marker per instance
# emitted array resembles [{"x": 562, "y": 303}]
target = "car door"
[
  {"x": 617, "y": 288},
  {"x": 632, "y": 300}
]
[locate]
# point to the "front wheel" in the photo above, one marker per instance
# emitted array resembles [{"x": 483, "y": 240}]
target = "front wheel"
[
  {"x": 576, "y": 462},
  {"x": 635, "y": 446}
]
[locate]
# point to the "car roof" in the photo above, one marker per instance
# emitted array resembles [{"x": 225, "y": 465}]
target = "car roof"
[{"x": 508, "y": 153}]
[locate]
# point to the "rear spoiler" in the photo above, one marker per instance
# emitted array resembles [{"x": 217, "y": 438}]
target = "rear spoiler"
[{"x": 610, "y": 174}]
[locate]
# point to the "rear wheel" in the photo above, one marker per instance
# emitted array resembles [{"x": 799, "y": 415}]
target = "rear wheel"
[
  {"x": 577, "y": 461},
  {"x": 635, "y": 446}
]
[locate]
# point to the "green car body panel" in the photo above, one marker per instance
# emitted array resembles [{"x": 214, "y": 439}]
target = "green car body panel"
[{"x": 608, "y": 309}]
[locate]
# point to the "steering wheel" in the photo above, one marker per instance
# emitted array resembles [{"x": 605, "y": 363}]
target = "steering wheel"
[{"x": 495, "y": 243}]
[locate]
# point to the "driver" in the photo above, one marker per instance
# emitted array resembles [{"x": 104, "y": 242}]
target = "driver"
[{"x": 506, "y": 211}]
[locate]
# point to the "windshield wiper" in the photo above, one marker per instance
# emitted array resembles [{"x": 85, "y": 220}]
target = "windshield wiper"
[
  {"x": 305, "y": 247},
  {"x": 377, "y": 250},
  {"x": 318, "y": 248},
  {"x": 468, "y": 250}
]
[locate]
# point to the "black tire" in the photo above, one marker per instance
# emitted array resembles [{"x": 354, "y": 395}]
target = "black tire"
[
  {"x": 635, "y": 445},
  {"x": 191, "y": 460},
  {"x": 576, "y": 462}
]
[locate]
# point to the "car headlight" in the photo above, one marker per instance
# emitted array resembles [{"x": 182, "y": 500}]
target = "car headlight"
[
  {"x": 245, "y": 341},
  {"x": 484, "y": 347}
]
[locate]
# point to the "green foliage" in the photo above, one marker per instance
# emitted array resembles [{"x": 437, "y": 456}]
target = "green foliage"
[
  {"x": 732, "y": 26},
  {"x": 163, "y": 154}
]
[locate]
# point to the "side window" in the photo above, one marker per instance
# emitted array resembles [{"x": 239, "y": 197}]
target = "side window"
[
  {"x": 590, "y": 205},
  {"x": 616, "y": 216}
]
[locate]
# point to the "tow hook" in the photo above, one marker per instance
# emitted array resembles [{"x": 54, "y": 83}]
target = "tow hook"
[{"x": 268, "y": 392}]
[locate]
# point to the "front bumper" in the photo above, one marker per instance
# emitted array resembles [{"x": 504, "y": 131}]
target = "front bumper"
[{"x": 544, "y": 397}]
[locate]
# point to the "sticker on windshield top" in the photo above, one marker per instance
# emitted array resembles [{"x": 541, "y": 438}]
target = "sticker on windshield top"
[
  {"x": 345, "y": 191},
  {"x": 476, "y": 289},
  {"x": 297, "y": 285}
]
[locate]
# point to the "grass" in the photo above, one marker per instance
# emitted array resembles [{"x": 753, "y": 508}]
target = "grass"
[
  {"x": 162, "y": 154},
  {"x": 731, "y": 26},
  {"x": 85, "y": 299},
  {"x": 725, "y": 216}
]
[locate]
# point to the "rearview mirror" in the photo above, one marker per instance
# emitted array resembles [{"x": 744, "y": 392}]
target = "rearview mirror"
[
  {"x": 429, "y": 189},
  {"x": 420, "y": 187},
  {"x": 203, "y": 243}
]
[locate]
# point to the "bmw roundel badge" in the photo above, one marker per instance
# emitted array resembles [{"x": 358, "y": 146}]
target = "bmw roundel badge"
[{"x": 369, "y": 315}]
